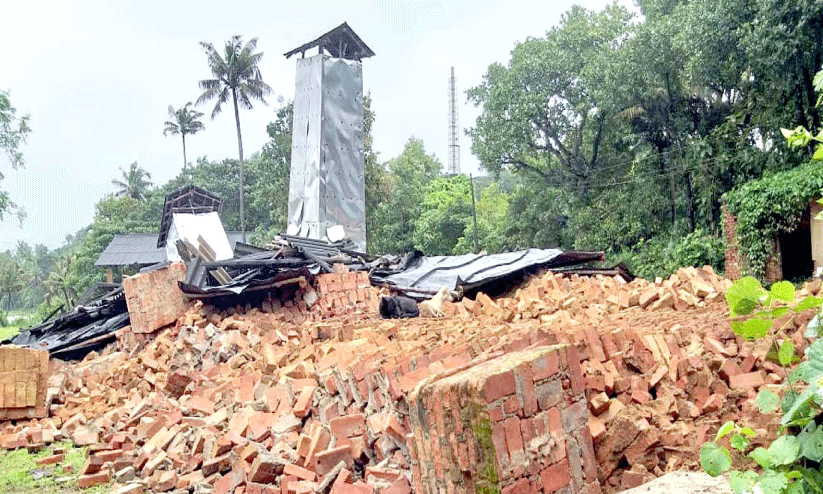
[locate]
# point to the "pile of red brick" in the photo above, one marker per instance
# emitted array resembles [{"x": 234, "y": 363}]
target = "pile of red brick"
[{"x": 570, "y": 383}]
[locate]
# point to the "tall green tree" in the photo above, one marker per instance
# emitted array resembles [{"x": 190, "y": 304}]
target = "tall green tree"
[
  {"x": 113, "y": 215},
  {"x": 376, "y": 175},
  {"x": 13, "y": 132},
  {"x": 445, "y": 215},
  {"x": 135, "y": 182},
  {"x": 183, "y": 121},
  {"x": 60, "y": 280},
  {"x": 237, "y": 77},
  {"x": 12, "y": 278},
  {"x": 409, "y": 174},
  {"x": 270, "y": 198},
  {"x": 542, "y": 114}
]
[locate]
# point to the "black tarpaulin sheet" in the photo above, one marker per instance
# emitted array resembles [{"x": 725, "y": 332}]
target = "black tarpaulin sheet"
[
  {"x": 86, "y": 323},
  {"x": 472, "y": 270}
]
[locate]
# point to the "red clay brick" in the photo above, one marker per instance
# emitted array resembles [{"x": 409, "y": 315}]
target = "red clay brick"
[
  {"x": 514, "y": 440},
  {"x": 594, "y": 344},
  {"x": 498, "y": 386},
  {"x": 555, "y": 422},
  {"x": 729, "y": 369},
  {"x": 589, "y": 460},
  {"x": 499, "y": 441},
  {"x": 49, "y": 460},
  {"x": 519, "y": 487},
  {"x": 511, "y": 405},
  {"x": 526, "y": 378},
  {"x": 358, "y": 488},
  {"x": 85, "y": 481},
  {"x": 327, "y": 460},
  {"x": 555, "y": 477},
  {"x": 575, "y": 371},
  {"x": 746, "y": 381},
  {"x": 546, "y": 366},
  {"x": 304, "y": 402},
  {"x": 399, "y": 486},
  {"x": 348, "y": 426},
  {"x": 300, "y": 473},
  {"x": 528, "y": 430}
]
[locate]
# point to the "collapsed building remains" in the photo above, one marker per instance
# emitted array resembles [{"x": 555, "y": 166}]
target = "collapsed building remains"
[{"x": 563, "y": 384}]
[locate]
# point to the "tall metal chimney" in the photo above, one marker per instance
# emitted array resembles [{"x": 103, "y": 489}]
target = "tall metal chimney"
[{"x": 327, "y": 181}]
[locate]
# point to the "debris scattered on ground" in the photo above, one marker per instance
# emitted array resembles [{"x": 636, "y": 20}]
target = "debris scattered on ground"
[{"x": 592, "y": 383}]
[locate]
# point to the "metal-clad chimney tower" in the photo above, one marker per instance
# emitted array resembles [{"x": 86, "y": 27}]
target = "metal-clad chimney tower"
[
  {"x": 327, "y": 180},
  {"x": 454, "y": 130}
]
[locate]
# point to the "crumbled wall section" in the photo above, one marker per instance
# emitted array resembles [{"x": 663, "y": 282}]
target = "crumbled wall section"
[
  {"x": 344, "y": 293},
  {"x": 514, "y": 424},
  {"x": 736, "y": 261},
  {"x": 24, "y": 374},
  {"x": 154, "y": 299}
]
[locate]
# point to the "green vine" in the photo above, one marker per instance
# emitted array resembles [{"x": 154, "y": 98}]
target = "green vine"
[{"x": 772, "y": 205}]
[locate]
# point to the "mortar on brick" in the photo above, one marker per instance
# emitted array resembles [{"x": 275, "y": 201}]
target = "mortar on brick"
[{"x": 500, "y": 459}]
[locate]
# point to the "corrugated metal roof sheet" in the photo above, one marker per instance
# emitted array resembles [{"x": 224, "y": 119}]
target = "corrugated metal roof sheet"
[
  {"x": 471, "y": 270},
  {"x": 141, "y": 249}
]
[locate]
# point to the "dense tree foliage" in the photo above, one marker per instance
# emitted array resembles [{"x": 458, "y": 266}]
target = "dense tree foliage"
[
  {"x": 409, "y": 175},
  {"x": 13, "y": 132},
  {"x": 630, "y": 130}
]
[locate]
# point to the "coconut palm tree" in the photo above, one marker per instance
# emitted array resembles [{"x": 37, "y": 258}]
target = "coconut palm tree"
[
  {"x": 12, "y": 278},
  {"x": 59, "y": 281},
  {"x": 135, "y": 182},
  {"x": 236, "y": 77},
  {"x": 183, "y": 121}
]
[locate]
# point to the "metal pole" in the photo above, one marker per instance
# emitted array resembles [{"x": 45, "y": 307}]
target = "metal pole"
[{"x": 474, "y": 214}]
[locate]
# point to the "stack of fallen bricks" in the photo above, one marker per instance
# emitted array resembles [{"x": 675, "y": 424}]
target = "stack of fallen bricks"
[
  {"x": 256, "y": 404},
  {"x": 344, "y": 293}
]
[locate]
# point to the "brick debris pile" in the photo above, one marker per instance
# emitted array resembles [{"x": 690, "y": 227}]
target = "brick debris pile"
[{"x": 584, "y": 384}]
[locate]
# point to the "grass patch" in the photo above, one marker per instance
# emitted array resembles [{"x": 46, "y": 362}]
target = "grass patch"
[
  {"x": 15, "y": 321},
  {"x": 16, "y": 468},
  {"x": 7, "y": 332}
]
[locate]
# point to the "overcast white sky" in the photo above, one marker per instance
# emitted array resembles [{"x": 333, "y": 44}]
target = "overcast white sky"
[{"x": 97, "y": 79}]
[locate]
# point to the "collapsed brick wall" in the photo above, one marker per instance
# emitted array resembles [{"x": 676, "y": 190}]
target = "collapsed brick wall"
[
  {"x": 514, "y": 424},
  {"x": 289, "y": 400},
  {"x": 154, "y": 299},
  {"x": 736, "y": 264},
  {"x": 24, "y": 374}
]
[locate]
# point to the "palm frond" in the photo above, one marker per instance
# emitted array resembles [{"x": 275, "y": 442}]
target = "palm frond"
[
  {"x": 235, "y": 70},
  {"x": 171, "y": 128}
]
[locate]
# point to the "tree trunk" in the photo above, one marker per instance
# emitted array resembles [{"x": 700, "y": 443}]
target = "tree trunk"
[
  {"x": 689, "y": 200},
  {"x": 184, "y": 151},
  {"x": 672, "y": 190},
  {"x": 240, "y": 149},
  {"x": 66, "y": 296}
]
